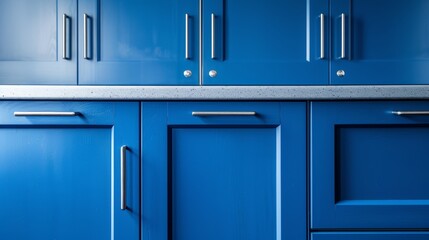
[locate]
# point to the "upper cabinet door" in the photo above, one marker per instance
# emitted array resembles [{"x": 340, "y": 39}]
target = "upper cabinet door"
[
  {"x": 36, "y": 42},
  {"x": 265, "y": 42},
  {"x": 380, "y": 42},
  {"x": 138, "y": 42}
]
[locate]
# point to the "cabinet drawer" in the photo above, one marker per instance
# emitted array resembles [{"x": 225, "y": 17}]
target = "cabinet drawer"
[
  {"x": 64, "y": 113},
  {"x": 235, "y": 113},
  {"x": 369, "y": 165},
  {"x": 371, "y": 236}
]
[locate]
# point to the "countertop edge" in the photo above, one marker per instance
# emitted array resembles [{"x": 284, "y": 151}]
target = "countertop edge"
[{"x": 214, "y": 93}]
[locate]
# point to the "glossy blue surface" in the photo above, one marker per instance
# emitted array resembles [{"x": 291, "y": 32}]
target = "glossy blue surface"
[
  {"x": 138, "y": 42},
  {"x": 60, "y": 175},
  {"x": 31, "y": 42},
  {"x": 223, "y": 177},
  {"x": 371, "y": 236},
  {"x": 265, "y": 42},
  {"x": 368, "y": 166},
  {"x": 386, "y": 42}
]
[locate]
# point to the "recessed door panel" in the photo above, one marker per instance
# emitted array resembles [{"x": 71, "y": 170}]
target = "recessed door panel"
[
  {"x": 224, "y": 178},
  {"x": 56, "y": 183}
]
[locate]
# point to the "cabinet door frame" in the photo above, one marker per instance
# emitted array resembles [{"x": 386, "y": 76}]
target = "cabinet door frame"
[
  {"x": 363, "y": 62},
  {"x": 60, "y": 70},
  {"x": 327, "y": 212},
  {"x": 235, "y": 57},
  {"x": 122, "y": 120},
  {"x": 139, "y": 64},
  {"x": 158, "y": 118}
]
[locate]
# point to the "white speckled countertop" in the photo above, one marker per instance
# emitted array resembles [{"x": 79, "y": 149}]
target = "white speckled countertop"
[{"x": 157, "y": 93}]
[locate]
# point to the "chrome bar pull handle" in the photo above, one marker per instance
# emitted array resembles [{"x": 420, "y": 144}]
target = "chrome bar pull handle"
[
  {"x": 85, "y": 36},
  {"x": 46, "y": 114},
  {"x": 343, "y": 36},
  {"x": 65, "y": 17},
  {"x": 213, "y": 32},
  {"x": 123, "y": 177},
  {"x": 322, "y": 36},
  {"x": 187, "y": 36},
  {"x": 410, "y": 113},
  {"x": 208, "y": 114}
]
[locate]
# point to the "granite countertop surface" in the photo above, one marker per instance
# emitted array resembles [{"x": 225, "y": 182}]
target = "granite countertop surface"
[{"x": 214, "y": 93}]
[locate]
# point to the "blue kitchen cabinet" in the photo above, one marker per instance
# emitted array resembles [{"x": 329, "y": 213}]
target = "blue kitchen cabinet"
[
  {"x": 37, "y": 43},
  {"x": 371, "y": 236},
  {"x": 266, "y": 42},
  {"x": 229, "y": 170},
  {"x": 60, "y": 170},
  {"x": 132, "y": 42},
  {"x": 380, "y": 42},
  {"x": 369, "y": 165}
]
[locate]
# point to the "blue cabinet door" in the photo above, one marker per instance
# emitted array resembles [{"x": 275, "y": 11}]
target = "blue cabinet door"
[
  {"x": 132, "y": 42},
  {"x": 384, "y": 42},
  {"x": 225, "y": 175},
  {"x": 265, "y": 42},
  {"x": 60, "y": 175},
  {"x": 369, "y": 165},
  {"x": 371, "y": 236},
  {"x": 37, "y": 43}
]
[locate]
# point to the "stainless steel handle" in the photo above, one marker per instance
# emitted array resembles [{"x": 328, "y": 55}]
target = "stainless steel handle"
[
  {"x": 343, "y": 36},
  {"x": 322, "y": 36},
  {"x": 204, "y": 114},
  {"x": 45, "y": 114},
  {"x": 123, "y": 177},
  {"x": 85, "y": 36},
  {"x": 404, "y": 113},
  {"x": 213, "y": 18},
  {"x": 65, "y": 17},
  {"x": 187, "y": 36}
]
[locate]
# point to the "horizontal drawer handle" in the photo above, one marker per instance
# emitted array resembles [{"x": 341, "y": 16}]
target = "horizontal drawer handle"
[
  {"x": 402, "y": 113},
  {"x": 45, "y": 114},
  {"x": 203, "y": 114}
]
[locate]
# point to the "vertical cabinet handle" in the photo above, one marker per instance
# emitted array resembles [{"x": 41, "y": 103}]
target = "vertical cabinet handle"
[
  {"x": 322, "y": 36},
  {"x": 213, "y": 32},
  {"x": 187, "y": 36},
  {"x": 123, "y": 177},
  {"x": 343, "y": 36},
  {"x": 65, "y": 18},
  {"x": 85, "y": 36}
]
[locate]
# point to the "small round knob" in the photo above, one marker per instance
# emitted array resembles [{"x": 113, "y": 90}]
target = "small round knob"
[
  {"x": 212, "y": 73},
  {"x": 187, "y": 73},
  {"x": 341, "y": 73}
]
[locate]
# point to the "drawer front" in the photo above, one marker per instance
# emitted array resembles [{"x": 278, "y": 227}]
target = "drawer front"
[
  {"x": 371, "y": 236},
  {"x": 369, "y": 165}
]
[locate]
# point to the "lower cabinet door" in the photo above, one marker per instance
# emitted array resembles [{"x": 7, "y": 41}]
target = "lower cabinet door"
[
  {"x": 60, "y": 170},
  {"x": 369, "y": 165},
  {"x": 371, "y": 236},
  {"x": 230, "y": 171}
]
